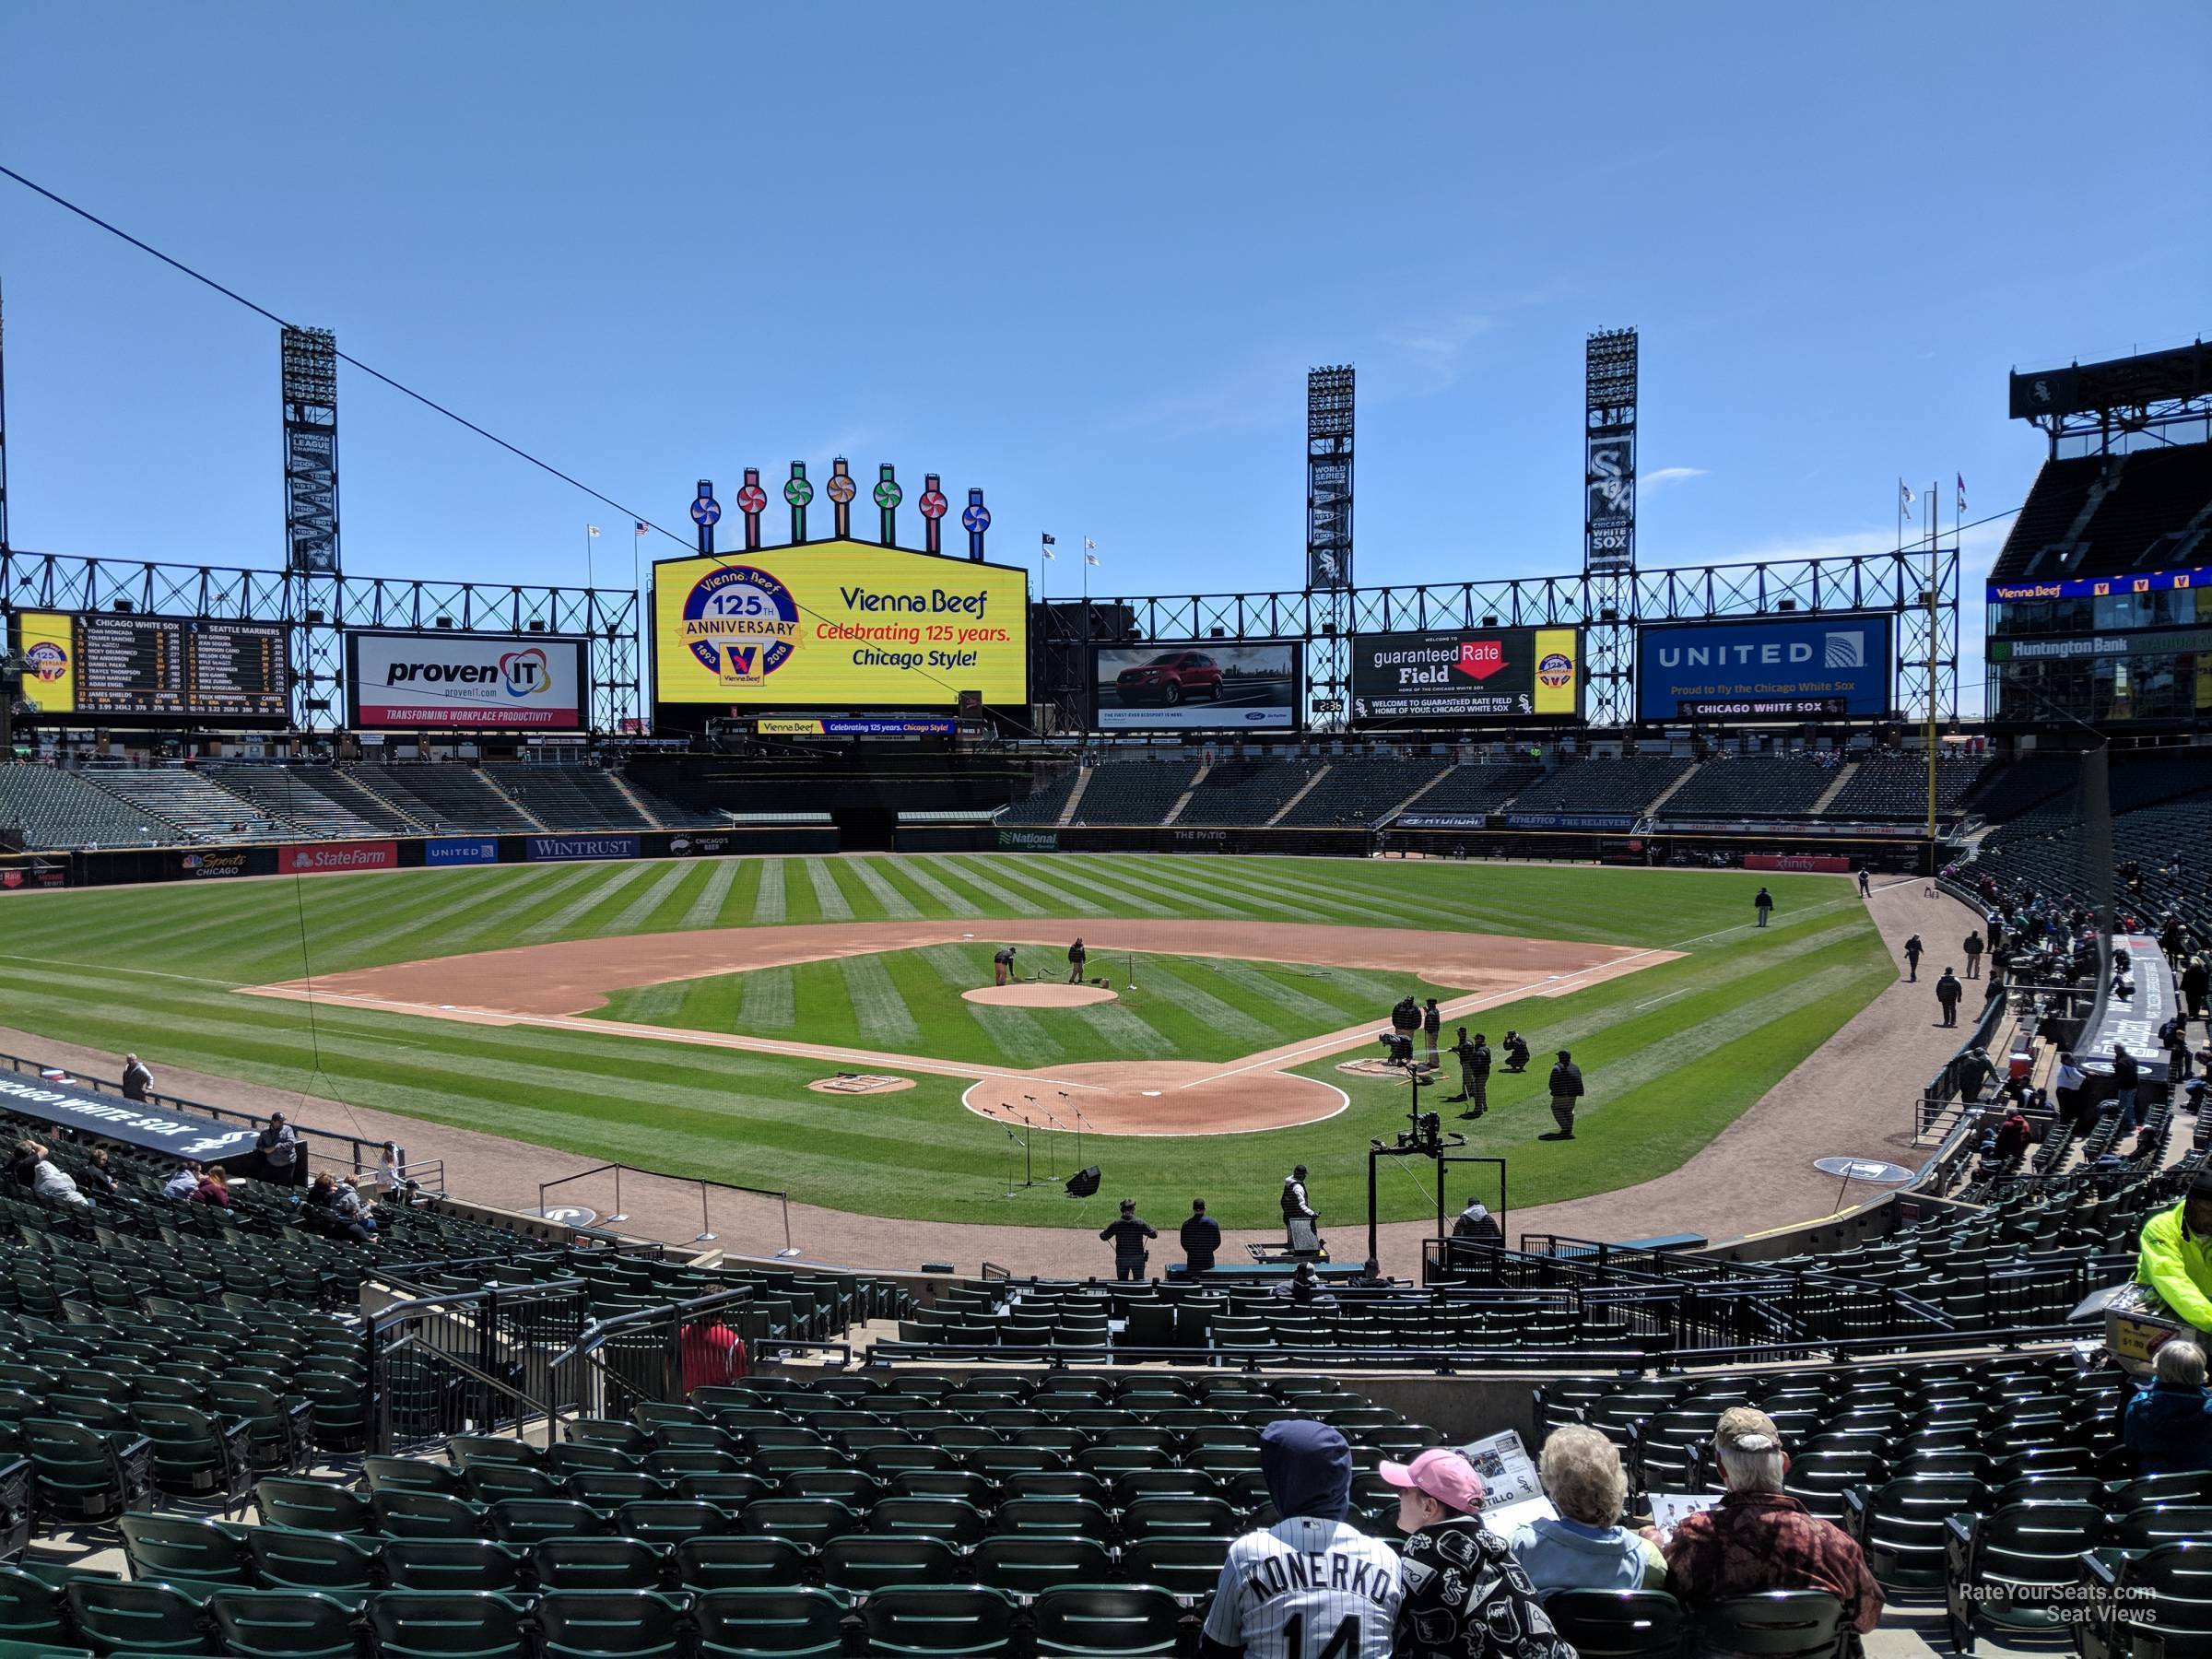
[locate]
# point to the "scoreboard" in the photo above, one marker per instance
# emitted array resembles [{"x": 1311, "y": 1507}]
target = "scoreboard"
[{"x": 125, "y": 666}]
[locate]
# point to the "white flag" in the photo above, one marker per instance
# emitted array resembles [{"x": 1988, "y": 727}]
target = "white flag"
[{"x": 593, "y": 528}]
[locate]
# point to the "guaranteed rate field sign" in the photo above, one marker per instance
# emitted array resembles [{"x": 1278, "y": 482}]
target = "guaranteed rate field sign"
[
  {"x": 1522, "y": 676},
  {"x": 838, "y": 624}
]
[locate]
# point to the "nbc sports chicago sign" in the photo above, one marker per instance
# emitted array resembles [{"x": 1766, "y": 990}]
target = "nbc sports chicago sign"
[{"x": 449, "y": 681}]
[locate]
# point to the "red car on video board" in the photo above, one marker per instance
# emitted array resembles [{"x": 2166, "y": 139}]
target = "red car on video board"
[{"x": 1169, "y": 678}]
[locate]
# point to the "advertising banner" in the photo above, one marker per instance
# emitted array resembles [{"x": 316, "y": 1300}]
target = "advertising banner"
[
  {"x": 1204, "y": 686},
  {"x": 465, "y": 681},
  {"x": 1517, "y": 676},
  {"x": 1571, "y": 820},
  {"x": 324, "y": 858},
  {"x": 49, "y": 645},
  {"x": 694, "y": 843},
  {"x": 31, "y": 879},
  {"x": 109, "y": 1118},
  {"x": 2102, "y": 588},
  {"x": 2135, "y": 1021},
  {"x": 1821, "y": 864},
  {"x": 236, "y": 861},
  {"x": 543, "y": 849},
  {"x": 840, "y": 624},
  {"x": 460, "y": 850},
  {"x": 1766, "y": 668},
  {"x": 914, "y": 726},
  {"x": 1028, "y": 841}
]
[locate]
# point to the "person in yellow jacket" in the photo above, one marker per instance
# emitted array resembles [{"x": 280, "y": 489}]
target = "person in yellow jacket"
[{"x": 2173, "y": 1256}]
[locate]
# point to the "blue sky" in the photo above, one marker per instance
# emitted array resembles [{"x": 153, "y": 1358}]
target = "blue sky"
[{"x": 1081, "y": 255}]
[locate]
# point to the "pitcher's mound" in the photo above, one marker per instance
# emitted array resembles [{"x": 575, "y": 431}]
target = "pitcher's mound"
[{"x": 1038, "y": 995}]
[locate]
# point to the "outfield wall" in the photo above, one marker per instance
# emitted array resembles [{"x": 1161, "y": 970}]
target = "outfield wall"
[{"x": 124, "y": 866}]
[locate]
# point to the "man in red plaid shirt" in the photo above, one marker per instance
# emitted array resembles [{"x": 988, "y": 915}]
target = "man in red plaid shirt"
[{"x": 1755, "y": 1539}]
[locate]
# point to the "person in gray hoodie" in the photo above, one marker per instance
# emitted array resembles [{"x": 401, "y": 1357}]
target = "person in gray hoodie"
[{"x": 1310, "y": 1583}]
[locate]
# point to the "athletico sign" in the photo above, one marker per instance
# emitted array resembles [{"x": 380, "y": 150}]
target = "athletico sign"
[
  {"x": 321, "y": 858},
  {"x": 465, "y": 681}
]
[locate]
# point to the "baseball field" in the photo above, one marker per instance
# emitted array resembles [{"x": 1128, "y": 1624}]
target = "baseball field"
[{"x": 672, "y": 1014}]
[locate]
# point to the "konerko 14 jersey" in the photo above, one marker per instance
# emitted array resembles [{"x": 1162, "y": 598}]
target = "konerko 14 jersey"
[{"x": 1307, "y": 1589}]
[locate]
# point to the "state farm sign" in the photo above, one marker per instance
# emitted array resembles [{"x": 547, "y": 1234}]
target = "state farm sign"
[{"x": 319, "y": 858}]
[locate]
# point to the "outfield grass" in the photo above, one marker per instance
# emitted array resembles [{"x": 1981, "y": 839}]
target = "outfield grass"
[
  {"x": 1672, "y": 1054},
  {"x": 909, "y": 1001}
]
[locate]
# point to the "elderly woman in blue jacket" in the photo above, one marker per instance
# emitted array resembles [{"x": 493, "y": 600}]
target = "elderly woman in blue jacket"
[{"x": 2169, "y": 1422}]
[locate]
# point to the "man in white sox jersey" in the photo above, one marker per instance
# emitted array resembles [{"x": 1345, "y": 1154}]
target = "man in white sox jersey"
[{"x": 1310, "y": 1586}]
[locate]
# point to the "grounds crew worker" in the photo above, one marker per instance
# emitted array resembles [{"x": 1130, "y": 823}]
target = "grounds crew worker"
[
  {"x": 1295, "y": 1206},
  {"x": 1566, "y": 1088},
  {"x": 1764, "y": 904},
  {"x": 1473, "y": 1075},
  {"x": 2173, "y": 1255},
  {"x": 1973, "y": 954},
  {"x": 1075, "y": 957},
  {"x": 1432, "y": 1023},
  {"x": 1003, "y": 965}
]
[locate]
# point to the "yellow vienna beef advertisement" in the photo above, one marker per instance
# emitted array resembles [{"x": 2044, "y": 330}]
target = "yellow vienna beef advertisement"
[
  {"x": 1558, "y": 671},
  {"x": 48, "y": 641},
  {"x": 839, "y": 624}
]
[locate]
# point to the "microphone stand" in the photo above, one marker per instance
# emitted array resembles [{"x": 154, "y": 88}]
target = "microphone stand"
[
  {"x": 1078, "y": 1112},
  {"x": 1050, "y": 1156}
]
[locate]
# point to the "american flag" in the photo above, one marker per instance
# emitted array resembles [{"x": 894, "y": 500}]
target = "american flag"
[{"x": 641, "y": 527}]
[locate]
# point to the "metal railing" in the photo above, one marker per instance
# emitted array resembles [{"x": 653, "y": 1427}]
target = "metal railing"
[
  {"x": 706, "y": 1234},
  {"x": 649, "y": 1355},
  {"x": 474, "y": 1361}
]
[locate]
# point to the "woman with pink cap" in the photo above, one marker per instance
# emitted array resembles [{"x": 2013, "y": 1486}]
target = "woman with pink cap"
[{"x": 1466, "y": 1595}]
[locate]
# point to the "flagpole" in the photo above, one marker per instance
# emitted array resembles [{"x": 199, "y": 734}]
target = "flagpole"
[
  {"x": 1934, "y": 535},
  {"x": 638, "y": 635},
  {"x": 588, "y": 559}
]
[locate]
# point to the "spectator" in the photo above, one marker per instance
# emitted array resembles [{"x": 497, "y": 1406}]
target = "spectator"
[
  {"x": 1947, "y": 992},
  {"x": 2173, "y": 1255},
  {"x": 23, "y": 1167},
  {"x": 2015, "y": 1134},
  {"x": 1476, "y": 1222},
  {"x": 1757, "y": 1539},
  {"x": 1586, "y": 1548},
  {"x": 2125, "y": 1076},
  {"x": 1303, "y": 1288},
  {"x": 1200, "y": 1238},
  {"x": 2196, "y": 981},
  {"x": 708, "y": 1353},
  {"x": 2169, "y": 1421},
  {"x": 1128, "y": 1234},
  {"x": 1309, "y": 1566},
  {"x": 2069, "y": 1085},
  {"x": 389, "y": 1174},
  {"x": 277, "y": 1146},
  {"x": 136, "y": 1079},
  {"x": 98, "y": 1176},
  {"x": 55, "y": 1186},
  {"x": 1913, "y": 949},
  {"x": 183, "y": 1184},
  {"x": 337, "y": 1209},
  {"x": 1466, "y": 1596},
  {"x": 213, "y": 1187}
]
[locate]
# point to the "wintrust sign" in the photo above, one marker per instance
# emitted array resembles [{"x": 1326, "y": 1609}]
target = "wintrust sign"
[
  {"x": 465, "y": 681},
  {"x": 542, "y": 849},
  {"x": 324, "y": 858}
]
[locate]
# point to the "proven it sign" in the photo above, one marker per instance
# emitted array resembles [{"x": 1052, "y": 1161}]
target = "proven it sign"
[{"x": 465, "y": 682}]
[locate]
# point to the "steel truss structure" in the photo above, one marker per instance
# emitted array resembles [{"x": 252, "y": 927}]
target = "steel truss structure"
[
  {"x": 319, "y": 608},
  {"x": 1896, "y": 581}
]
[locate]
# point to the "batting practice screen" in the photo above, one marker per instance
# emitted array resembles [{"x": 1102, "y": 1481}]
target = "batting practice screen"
[
  {"x": 1771, "y": 668},
  {"x": 1524, "y": 675},
  {"x": 839, "y": 624}
]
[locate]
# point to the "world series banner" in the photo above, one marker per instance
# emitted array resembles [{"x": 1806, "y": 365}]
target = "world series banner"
[
  {"x": 839, "y": 624},
  {"x": 1522, "y": 676}
]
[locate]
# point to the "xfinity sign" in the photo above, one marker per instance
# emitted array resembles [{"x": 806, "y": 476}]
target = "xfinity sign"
[{"x": 1766, "y": 668}]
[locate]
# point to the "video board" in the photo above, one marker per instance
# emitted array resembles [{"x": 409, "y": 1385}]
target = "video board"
[
  {"x": 1202, "y": 685},
  {"x": 1466, "y": 676},
  {"x": 406, "y": 681},
  {"x": 1794, "y": 667},
  {"x": 839, "y": 624},
  {"x": 121, "y": 665}
]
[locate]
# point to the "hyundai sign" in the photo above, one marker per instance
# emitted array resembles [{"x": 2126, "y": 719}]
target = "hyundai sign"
[
  {"x": 454, "y": 681},
  {"x": 1800, "y": 667}
]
